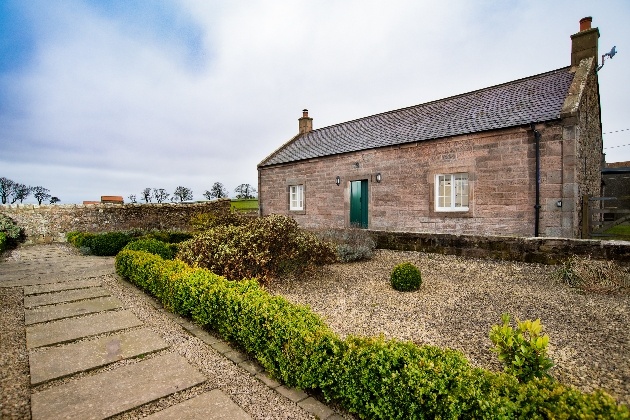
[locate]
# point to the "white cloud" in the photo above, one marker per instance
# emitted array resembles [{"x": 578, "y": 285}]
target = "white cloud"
[{"x": 106, "y": 109}]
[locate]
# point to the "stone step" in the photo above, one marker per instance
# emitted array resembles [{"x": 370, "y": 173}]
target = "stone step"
[
  {"x": 213, "y": 405},
  {"x": 26, "y": 279},
  {"x": 70, "y": 329},
  {"x": 56, "y": 362},
  {"x": 72, "y": 309},
  {"x": 116, "y": 391},
  {"x": 64, "y": 296},
  {"x": 57, "y": 287}
]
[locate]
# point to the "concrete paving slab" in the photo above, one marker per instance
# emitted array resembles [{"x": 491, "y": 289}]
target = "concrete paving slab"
[
  {"x": 64, "y": 296},
  {"x": 65, "y": 330},
  {"x": 116, "y": 391},
  {"x": 68, "y": 310},
  {"x": 56, "y": 362},
  {"x": 213, "y": 405},
  {"x": 53, "y": 277},
  {"x": 57, "y": 287}
]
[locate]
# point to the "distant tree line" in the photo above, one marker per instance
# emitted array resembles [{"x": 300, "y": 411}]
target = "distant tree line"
[
  {"x": 11, "y": 192},
  {"x": 181, "y": 194}
]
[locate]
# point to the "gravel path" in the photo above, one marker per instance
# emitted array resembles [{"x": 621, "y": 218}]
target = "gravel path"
[{"x": 460, "y": 299}]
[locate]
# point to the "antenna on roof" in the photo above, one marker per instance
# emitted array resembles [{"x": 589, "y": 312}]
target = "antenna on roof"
[{"x": 610, "y": 54}]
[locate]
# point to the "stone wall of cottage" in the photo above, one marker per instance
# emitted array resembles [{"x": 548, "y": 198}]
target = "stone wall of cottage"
[
  {"x": 501, "y": 166},
  {"x": 590, "y": 142},
  {"x": 50, "y": 223}
]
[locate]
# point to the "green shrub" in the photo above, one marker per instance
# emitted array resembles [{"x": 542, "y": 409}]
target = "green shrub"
[
  {"x": 406, "y": 277},
  {"x": 169, "y": 237},
  {"x": 591, "y": 275},
  {"x": 204, "y": 221},
  {"x": 109, "y": 243},
  {"x": 152, "y": 246},
  {"x": 265, "y": 248},
  {"x": 352, "y": 244},
  {"x": 523, "y": 351},
  {"x": 3, "y": 241},
  {"x": 12, "y": 232},
  {"x": 373, "y": 377}
]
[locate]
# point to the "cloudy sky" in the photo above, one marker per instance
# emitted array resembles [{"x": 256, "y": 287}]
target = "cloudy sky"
[{"x": 107, "y": 97}]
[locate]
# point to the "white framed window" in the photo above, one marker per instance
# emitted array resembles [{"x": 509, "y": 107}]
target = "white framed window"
[
  {"x": 296, "y": 197},
  {"x": 451, "y": 192}
]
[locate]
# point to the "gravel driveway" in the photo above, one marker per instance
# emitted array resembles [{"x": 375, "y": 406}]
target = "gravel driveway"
[{"x": 461, "y": 298}]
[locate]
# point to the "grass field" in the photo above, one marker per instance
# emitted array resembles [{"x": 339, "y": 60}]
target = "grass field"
[
  {"x": 622, "y": 230},
  {"x": 245, "y": 205}
]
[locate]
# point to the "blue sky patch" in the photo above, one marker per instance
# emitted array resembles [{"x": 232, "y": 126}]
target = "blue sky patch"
[
  {"x": 160, "y": 20},
  {"x": 17, "y": 41}
]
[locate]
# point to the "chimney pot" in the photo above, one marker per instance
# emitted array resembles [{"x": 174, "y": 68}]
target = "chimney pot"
[
  {"x": 585, "y": 23},
  {"x": 305, "y": 113}
]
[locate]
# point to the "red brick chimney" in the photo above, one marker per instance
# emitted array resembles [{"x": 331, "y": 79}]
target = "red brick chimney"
[
  {"x": 584, "y": 43},
  {"x": 306, "y": 123}
]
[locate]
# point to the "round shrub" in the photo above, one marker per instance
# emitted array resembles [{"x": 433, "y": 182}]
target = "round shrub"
[
  {"x": 152, "y": 246},
  {"x": 406, "y": 277},
  {"x": 108, "y": 244}
]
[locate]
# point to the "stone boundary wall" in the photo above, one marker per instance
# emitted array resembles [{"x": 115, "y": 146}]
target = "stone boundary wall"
[
  {"x": 533, "y": 250},
  {"x": 50, "y": 223}
]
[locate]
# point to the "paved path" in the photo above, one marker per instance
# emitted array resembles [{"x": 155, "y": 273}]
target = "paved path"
[{"x": 92, "y": 357}]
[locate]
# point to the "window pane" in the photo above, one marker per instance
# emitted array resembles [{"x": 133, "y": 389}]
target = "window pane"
[
  {"x": 296, "y": 197},
  {"x": 461, "y": 190},
  {"x": 444, "y": 191}
]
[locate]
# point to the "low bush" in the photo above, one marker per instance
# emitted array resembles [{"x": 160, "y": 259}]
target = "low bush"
[
  {"x": 3, "y": 241},
  {"x": 523, "y": 350},
  {"x": 152, "y": 246},
  {"x": 166, "y": 236},
  {"x": 265, "y": 248},
  {"x": 102, "y": 244},
  {"x": 372, "y": 377},
  {"x": 110, "y": 243},
  {"x": 12, "y": 232},
  {"x": 204, "y": 221},
  {"x": 406, "y": 277},
  {"x": 591, "y": 275},
  {"x": 352, "y": 244}
]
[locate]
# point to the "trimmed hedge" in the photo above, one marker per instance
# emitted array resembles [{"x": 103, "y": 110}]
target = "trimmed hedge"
[
  {"x": 373, "y": 377},
  {"x": 111, "y": 243},
  {"x": 153, "y": 246},
  {"x": 3, "y": 241}
]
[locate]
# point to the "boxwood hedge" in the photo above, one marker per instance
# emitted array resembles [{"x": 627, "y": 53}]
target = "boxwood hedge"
[{"x": 373, "y": 377}]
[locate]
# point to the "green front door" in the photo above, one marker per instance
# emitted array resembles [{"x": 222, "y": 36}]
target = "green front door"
[{"x": 359, "y": 203}]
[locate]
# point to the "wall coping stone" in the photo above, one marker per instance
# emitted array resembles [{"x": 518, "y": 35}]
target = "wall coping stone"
[{"x": 545, "y": 250}]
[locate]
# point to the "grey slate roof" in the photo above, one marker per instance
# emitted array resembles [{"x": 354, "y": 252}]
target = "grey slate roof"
[{"x": 533, "y": 99}]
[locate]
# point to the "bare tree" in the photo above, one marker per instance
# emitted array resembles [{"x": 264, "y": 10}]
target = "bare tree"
[
  {"x": 41, "y": 194},
  {"x": 6, "y": 189},
  {"x": 146, "y": 195},
  {"x": 160, "y": 194},
  {"x": 132, "y": 198},
  {"x": 54, "y": 200},
  {"x": 20, "y": 192},
  {"x": 245, "y": 191},
  {"x": 217, "y": 191},
  {"x": 183, "y": 194}
]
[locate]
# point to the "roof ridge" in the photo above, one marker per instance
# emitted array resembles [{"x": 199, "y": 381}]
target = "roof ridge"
[{"x": 440, "y": 100}]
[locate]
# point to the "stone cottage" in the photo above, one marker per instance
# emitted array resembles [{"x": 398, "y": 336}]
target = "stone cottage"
[{"x": 511, "y": 159}]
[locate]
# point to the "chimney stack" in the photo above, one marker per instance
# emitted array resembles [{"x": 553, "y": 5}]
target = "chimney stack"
[
  {"x": 306, "y": 123},
  {"x": 584, "y": 43}
]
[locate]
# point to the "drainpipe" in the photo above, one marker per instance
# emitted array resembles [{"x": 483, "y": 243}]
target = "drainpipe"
[{"x": 537, "y": 206}]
